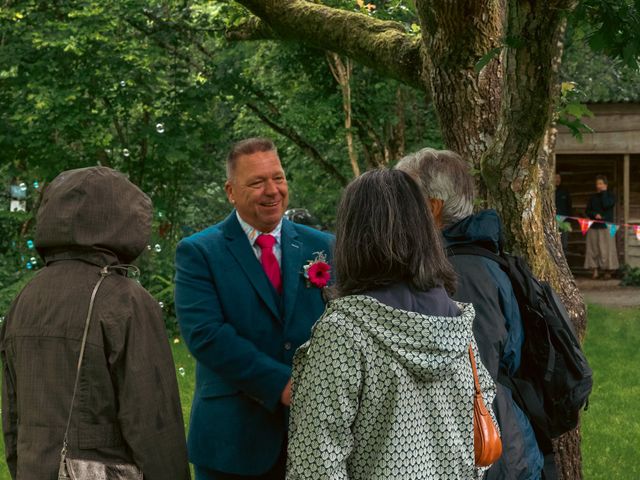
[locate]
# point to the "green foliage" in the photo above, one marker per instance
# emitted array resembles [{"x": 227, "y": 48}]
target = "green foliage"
[
  {"x": 397, "y": 10},
  {"x": 630, "y": 276},
  {"x": 564, "y": 226},
  {"x": 611, "y": 27},
  {"x": 153, "y": 89},
  {"x": 156, "y": 275},
  {"x": 594, "y": 67},
  {"x": 596, "y": 76},
  {"x": 571, "y": 111}
]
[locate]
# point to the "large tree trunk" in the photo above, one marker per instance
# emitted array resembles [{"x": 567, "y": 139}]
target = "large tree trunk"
[
  {"x": 508, "y": 110},
  {"x": 499, "y": 118}
]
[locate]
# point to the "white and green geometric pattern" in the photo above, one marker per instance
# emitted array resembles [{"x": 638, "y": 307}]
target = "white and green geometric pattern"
[{"x": 385, "y": 394}]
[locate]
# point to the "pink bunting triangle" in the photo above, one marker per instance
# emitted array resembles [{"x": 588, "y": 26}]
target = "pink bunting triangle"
[
  {"x": 637, "y": 229},
  {"x": 585, "y": 225}
]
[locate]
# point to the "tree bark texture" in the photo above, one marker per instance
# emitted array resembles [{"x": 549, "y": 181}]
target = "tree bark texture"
[{"x": 498, "y": 117}]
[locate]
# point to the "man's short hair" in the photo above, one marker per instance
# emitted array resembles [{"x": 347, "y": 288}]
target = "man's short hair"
[
  {"x": 248, "y": 147},
  {"x": 603, "y": 178},
  {"x": 443, "y": 175}
]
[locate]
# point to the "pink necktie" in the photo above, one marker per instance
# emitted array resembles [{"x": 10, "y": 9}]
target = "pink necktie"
[{"x": 269, "y": 260}]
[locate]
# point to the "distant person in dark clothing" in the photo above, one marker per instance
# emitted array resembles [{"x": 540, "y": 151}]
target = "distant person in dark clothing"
[
  {"x": 563, "y": 207},
  {"x": 602, "y": 254}
]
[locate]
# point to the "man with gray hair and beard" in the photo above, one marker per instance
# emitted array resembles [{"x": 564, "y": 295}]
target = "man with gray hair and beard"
[{"x": 449, "y": 191}]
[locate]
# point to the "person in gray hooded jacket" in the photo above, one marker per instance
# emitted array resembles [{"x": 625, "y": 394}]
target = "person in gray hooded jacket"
[
  {"x": 127, "y": 409},
  {"x": 384, "y": 388}
]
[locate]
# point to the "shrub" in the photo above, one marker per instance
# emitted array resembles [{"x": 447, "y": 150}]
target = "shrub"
[{"x": 630, "y": 276}]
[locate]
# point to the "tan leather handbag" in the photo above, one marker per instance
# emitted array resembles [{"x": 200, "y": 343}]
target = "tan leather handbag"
[
  {"x": 486, "y": 438},
  {"x": 78, "y": 469}
]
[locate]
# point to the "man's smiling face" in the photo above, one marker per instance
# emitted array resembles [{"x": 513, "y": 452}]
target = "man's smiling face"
[{"x": 258, "y": 189}]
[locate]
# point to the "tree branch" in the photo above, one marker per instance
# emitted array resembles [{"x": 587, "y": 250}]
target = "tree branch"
[
  {"x": 303, "y": 144},
  {"x": 381, "y": 45},
  {"x": 252, "y": 29}
]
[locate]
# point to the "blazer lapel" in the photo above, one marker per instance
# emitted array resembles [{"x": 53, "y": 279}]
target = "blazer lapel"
[
  {"x": 240, "y": 248},
  {"x": 291, "y": 267}
]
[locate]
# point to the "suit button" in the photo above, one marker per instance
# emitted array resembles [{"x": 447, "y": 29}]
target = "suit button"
[{"x": 287, "y": 346}]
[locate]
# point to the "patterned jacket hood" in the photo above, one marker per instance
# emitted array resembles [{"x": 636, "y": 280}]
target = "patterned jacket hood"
[{"x": 420, "y": 343}]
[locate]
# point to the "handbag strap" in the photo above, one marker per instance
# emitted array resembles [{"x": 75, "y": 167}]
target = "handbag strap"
[
  {"x": 104, "y": 272},
  {"x": 476, "y": 380}
]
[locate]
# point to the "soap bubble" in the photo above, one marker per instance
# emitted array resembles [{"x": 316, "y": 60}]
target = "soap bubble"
[
  {"x": 30, "y": 244},
  {"x": 36, "y": 185},
  {"x": 125, "y": 152},
  {"x": 160, "y": 127},
  {"x": 33, "y": 260},
  {"x": 157, "y": 248},
  {"x": 123, "y": 83},
  {"x": 148, "y": 247},
  {"x": 181, "y": 371},
  {"x": 29, "y": 266},
  {"x": 23, "y": 187},
  {"x": 161, "y": 304},
  {"x": 176, "y": 340}
]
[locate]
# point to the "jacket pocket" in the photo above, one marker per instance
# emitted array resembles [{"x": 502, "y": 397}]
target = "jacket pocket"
[
  {"x": 94, "y": 436},
  {"x": 217, "y": 389}
]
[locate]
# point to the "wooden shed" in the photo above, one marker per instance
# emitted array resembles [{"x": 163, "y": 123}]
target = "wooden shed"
[{"x": 613, "y": 149}]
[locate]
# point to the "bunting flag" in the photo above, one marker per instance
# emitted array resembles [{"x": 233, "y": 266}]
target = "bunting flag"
[{"x": 585, "y": 225}]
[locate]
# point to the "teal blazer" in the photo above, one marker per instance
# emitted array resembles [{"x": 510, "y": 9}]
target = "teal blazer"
[{"x": 243, "y": 336}]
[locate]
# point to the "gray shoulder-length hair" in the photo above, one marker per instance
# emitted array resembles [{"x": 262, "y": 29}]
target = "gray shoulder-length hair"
[{"x": 443, "y": 175}]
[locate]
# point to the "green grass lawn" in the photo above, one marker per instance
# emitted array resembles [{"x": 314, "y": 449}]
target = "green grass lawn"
[{"x": 611, "y": 426}]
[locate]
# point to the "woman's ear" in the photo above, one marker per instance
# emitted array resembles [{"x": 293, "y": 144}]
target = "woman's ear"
[{"x": 436, "y": 205}]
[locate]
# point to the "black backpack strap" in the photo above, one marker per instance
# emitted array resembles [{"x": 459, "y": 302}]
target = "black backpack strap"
[{"x": 478, "y": 251}]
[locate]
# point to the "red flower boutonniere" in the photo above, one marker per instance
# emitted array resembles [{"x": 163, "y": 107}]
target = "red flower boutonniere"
[{"x": 317, "y": 272}]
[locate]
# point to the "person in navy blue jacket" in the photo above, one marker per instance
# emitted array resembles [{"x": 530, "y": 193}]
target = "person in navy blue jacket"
[
  {"x": 449, "y": 189},
  {"x": 244, "y": 306}
]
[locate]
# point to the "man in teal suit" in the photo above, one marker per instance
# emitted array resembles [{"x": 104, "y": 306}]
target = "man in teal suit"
[{"x": 244, "y": 307}]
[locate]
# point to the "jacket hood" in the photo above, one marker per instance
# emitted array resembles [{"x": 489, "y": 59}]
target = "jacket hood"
[
  {"x": 484, "y": 228},
  {"x": 94, "y": 209},
  {"x": 426, "y": 346}
]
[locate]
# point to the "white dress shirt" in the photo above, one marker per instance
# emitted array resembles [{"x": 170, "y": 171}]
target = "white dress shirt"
[{"x": 253, "y": 234}]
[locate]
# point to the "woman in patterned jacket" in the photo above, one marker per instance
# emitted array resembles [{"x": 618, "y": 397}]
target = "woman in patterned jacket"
[{"x": 384, "y": 388}]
